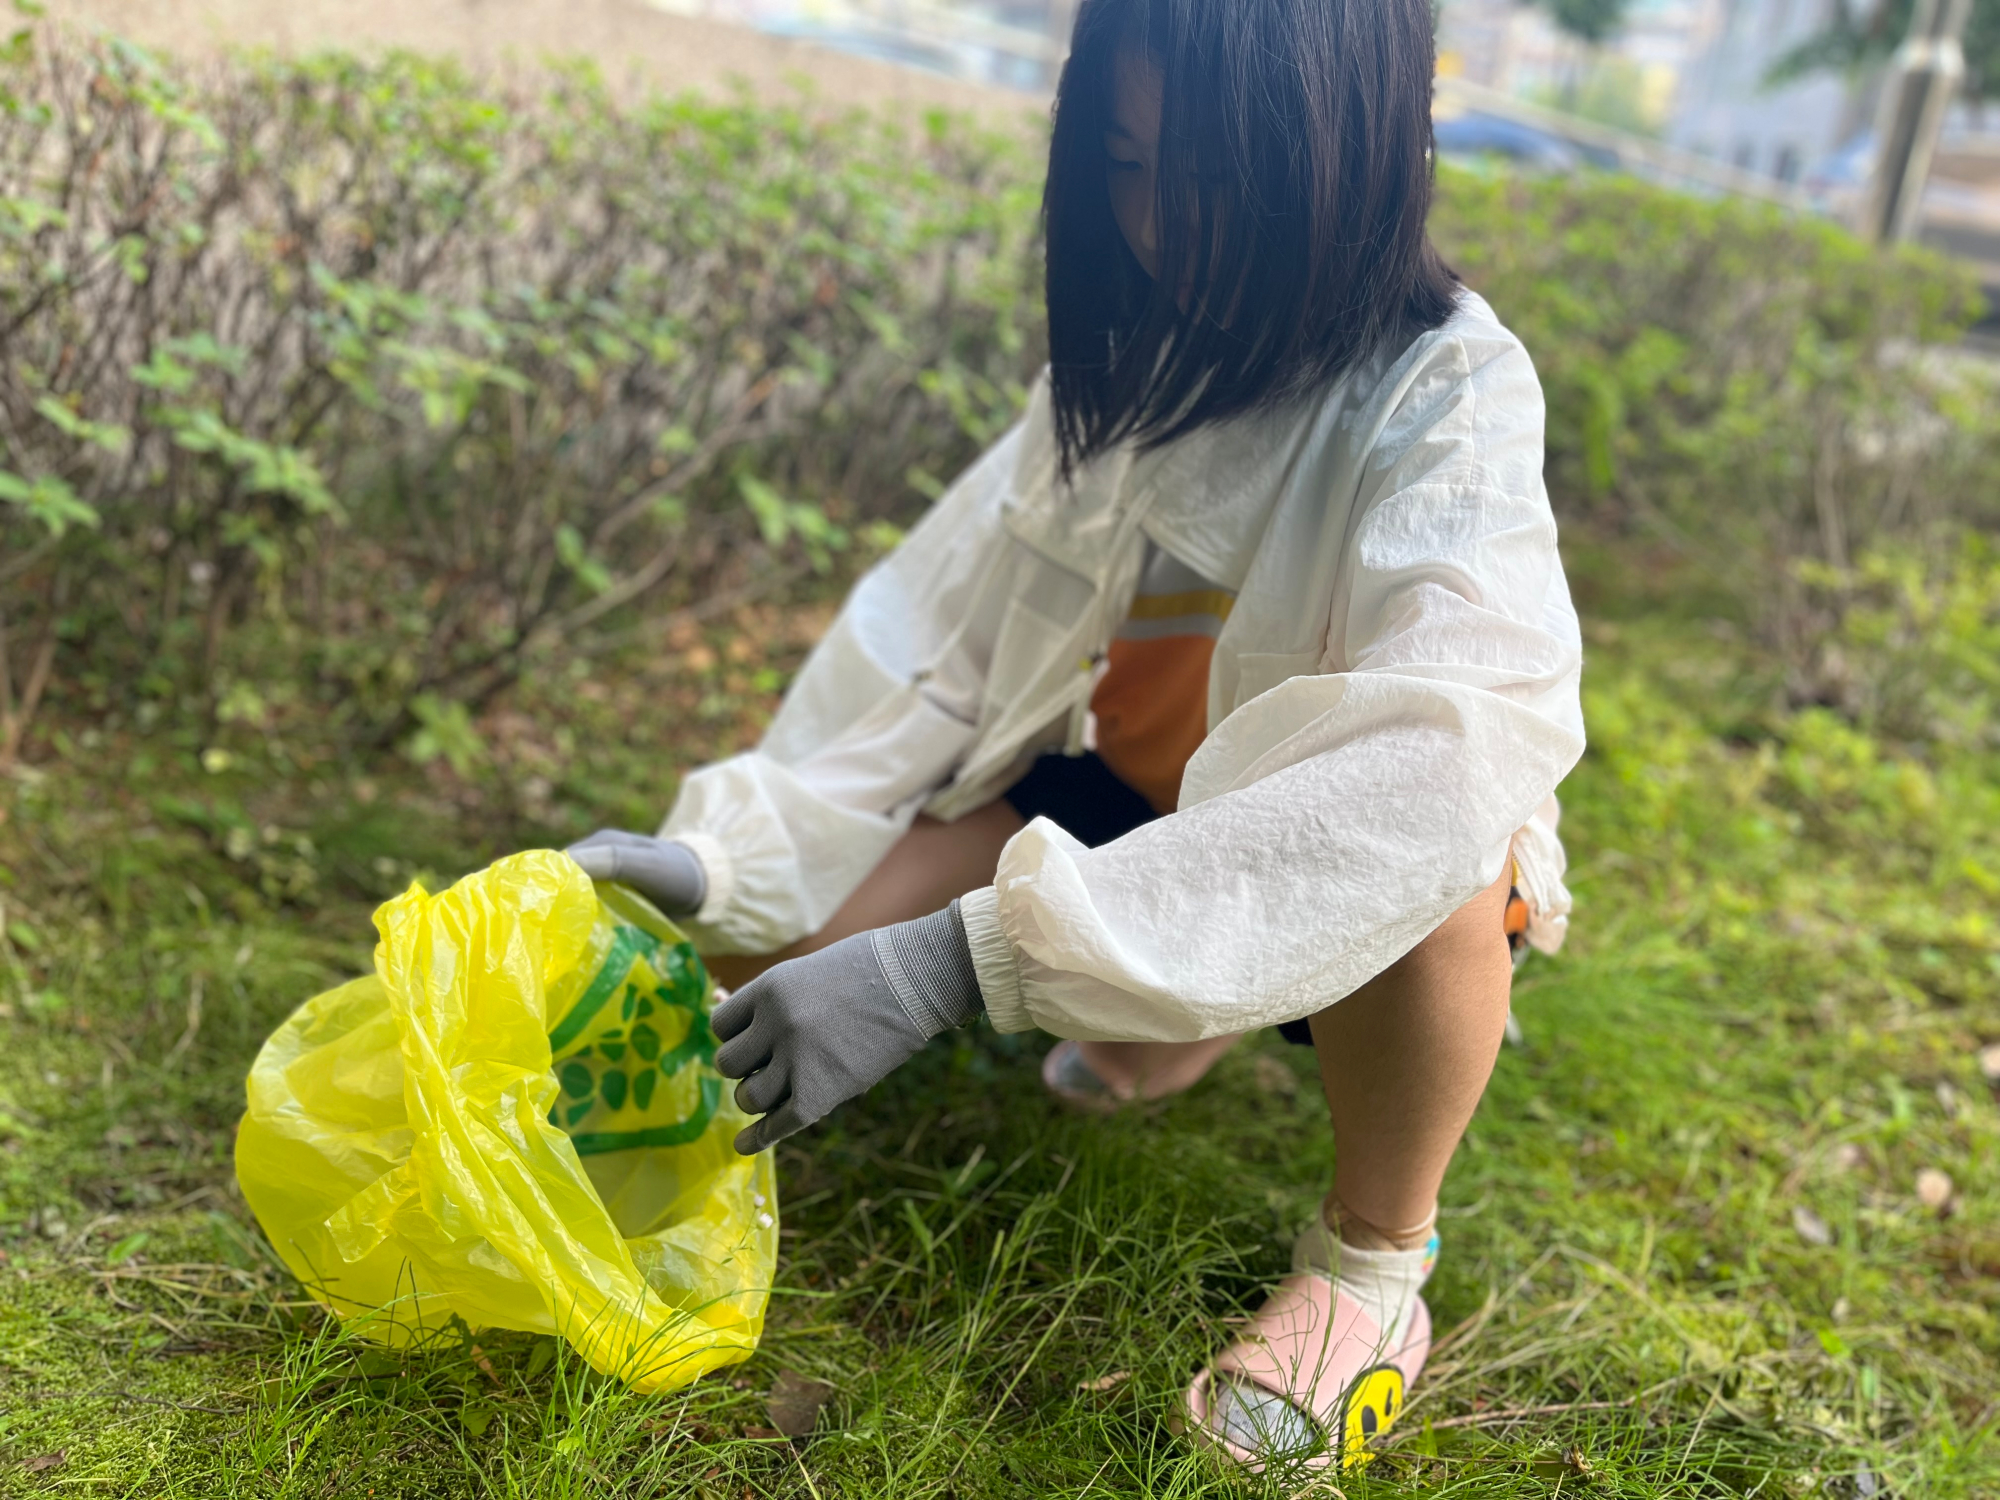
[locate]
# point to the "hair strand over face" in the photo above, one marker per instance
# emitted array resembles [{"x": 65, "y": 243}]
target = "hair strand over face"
[{"x": 1294, "y": 182}]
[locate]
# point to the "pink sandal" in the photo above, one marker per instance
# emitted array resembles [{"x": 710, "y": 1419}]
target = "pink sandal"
[
  {"x": 1122, "y": 1073},
  {"x": 1313, "y": 1382}
]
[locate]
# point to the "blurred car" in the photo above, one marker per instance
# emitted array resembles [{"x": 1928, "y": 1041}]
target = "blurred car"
[
  {"x": 878, "y": 43},
  {"x": 1475, "y": 136},
  {"x": 1836, "y": 183}
]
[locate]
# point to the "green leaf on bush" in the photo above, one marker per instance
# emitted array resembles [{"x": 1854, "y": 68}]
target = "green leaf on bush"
[
  {"x": 263, "y": 468},
  {"x": 779, "y": 520},
  {"x": 447, "y": 730},
  {"x": 575, "y": 555},
  {"x": 109, "y": 436},
  {"x": 448, "y": 383},
  {"x": 48, "y": 500},
  {"x": 22, "y": 217}
]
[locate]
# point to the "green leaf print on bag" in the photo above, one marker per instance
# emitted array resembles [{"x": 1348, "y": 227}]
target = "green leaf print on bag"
[{"x": 621, "y": 1048}]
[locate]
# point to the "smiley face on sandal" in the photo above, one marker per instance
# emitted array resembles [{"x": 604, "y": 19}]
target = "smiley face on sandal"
[{"x": 1371, "y": 1407}]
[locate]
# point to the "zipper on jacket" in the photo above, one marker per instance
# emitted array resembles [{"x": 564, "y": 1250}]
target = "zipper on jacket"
[{"x": 1079, "y": 713}]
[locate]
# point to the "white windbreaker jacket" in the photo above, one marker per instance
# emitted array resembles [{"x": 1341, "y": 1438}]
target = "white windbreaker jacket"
[{"x": 1392, "y": 702}]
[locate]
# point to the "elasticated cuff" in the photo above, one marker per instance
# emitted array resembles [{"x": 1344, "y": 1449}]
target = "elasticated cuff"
[
  {"x": 929, "y": 967},
  {"x": 994, "y": 961},
  {"x": 718, "y": 870}
]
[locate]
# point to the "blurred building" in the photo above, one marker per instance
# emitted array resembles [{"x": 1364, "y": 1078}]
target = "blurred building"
[
  {"x": 1728, "y": 110},
  {"x": 1693, "y": 72},
  {"x": 1636, "y": 81}
]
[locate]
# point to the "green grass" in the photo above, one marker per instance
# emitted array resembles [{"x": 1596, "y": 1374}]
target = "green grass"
[{"x": 1766, "y": 1024}]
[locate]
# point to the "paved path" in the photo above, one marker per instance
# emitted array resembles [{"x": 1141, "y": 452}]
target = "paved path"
[{"x": 634, "y": 44}]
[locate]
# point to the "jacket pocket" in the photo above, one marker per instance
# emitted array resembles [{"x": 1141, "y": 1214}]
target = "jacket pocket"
[
  {"x": 1257, "y": 672},
  {"x": 1027, "y": 644}
]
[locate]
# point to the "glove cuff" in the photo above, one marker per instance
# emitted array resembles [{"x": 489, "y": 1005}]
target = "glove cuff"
[
  {"x": 928, "y": 964},
  {"x": 715, "y": 872}
]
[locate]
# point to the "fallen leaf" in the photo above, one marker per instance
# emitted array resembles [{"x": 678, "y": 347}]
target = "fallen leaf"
[
  {"x": 1811, "y": 1227},
  {"x": 46, "y": 1461},
  {"x": 1934, "y": 1189},
  {"x": 762, "y": 1434},
  {"x": 795, "y": 1402},
  {"x": 1106, "y": 1382},
  {"x": 1989, "y": 1061}
]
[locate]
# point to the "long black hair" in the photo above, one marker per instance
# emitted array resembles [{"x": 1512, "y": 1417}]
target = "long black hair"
[{"x": 1294, "y": 180}]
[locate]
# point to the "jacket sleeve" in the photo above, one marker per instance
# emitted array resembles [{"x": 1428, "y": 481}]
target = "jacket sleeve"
[
  {"x": 877, "y": 719},
  {"x": 1331, "y": 823}
]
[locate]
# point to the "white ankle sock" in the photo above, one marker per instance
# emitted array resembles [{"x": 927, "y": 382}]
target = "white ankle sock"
[{"x": 1384, "y": 1282}]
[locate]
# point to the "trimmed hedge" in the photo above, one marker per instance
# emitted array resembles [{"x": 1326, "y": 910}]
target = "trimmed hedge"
[
  {"x": 1754, "y": 387},
  {"x": 416, "y": 377},
  {"x": 366, "y": 382}
]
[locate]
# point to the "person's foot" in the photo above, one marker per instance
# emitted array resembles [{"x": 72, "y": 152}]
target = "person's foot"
[
  {"x": 1324, "y": 1367},
  {"x": 1101, "y": 1076}
]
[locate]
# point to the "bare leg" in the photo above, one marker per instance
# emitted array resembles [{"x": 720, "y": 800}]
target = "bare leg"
[
  {"x": 1152, "y": 1070},
  {"x": 930, "y": 866},
  {"x": 1404, "y": 1060},
  {"x": 1429, "y": 1012}
]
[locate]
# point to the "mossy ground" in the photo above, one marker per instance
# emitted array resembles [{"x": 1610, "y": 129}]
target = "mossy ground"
[{"x": 1685, "y": 1249}]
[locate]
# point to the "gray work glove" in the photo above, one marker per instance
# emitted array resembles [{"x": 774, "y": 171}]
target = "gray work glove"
[
  {"x": 813, "y": 1032},
  {"x": 666, "y": 873}
]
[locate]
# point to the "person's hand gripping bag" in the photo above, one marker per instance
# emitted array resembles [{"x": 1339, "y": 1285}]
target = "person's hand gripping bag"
[{"x": 516, "y": 1120}]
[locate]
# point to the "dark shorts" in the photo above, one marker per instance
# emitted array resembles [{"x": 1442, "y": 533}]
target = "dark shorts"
[{"x": 1081, "y": 796}]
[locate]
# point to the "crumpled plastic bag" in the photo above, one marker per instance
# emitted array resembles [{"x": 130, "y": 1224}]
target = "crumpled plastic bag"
[{"x": 516, "y": 1121}]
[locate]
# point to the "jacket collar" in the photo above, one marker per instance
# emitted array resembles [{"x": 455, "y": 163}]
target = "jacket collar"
[
  {"x": 1080, "y": 526},
  {"x": 1207, "y": 498},
  {"x": 1214, "y": 491}
]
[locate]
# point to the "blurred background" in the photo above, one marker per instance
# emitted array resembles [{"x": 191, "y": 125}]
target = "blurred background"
[{"x": 1769, "y": 98}]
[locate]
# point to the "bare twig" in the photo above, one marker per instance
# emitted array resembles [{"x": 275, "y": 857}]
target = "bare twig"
[
  {"x": 17, "y": 719},
  {"x": 193, "y": 1026},
  {"x": 1518, "y": 1413},
  {"x": 719, "y": 603},
  {"x": 218, "y": 1411}
]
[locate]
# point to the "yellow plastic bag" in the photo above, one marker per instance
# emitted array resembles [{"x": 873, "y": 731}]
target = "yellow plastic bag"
[{"x": 517, "y": 1120}]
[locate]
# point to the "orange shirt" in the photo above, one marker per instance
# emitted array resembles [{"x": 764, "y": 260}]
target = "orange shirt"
[{"x": 1151, "y": 706}]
